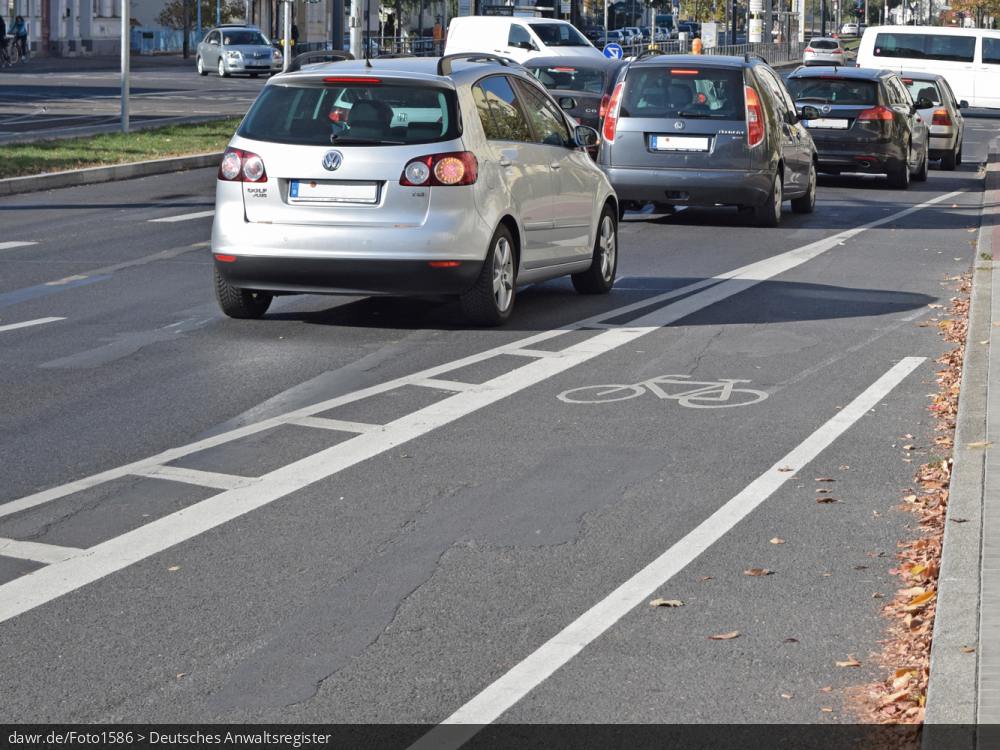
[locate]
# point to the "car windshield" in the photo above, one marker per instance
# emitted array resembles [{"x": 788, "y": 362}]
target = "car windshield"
[
  {"x": 830, "y": 90},
  {"x": 354, "y": 114},
  {"x": 923, "y": 89},
  {"x": 243, "y": 37},
  {"x": 569, "y": 79},
  {"x": 685, "y": 92},
  {"x": 823, "y": 44},
  {"x": 559, "y": 35}
]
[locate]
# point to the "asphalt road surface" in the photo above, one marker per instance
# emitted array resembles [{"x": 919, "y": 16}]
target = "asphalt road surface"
[{"x": 364, "y": 510}]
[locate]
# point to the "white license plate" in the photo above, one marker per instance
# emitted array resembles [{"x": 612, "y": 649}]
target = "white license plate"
[
  {"x": 826, "y": 122},
  {"x": 332, "y": 191},
  {"x": 679, "y": 143}
]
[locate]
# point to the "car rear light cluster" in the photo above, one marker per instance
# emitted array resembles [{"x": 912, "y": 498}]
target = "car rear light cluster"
[
  {"x": 605, "y": 101},
  {"x": 941, "y": 117},
  {"x": 241, "y": 166},
  {"x": 877, "y": 113},
  {"x": 611, "y": 121},
  {"x": 755, "y": 118},
  {"x": 810, "y": 49},
  {"x": 441, "y": 170}
]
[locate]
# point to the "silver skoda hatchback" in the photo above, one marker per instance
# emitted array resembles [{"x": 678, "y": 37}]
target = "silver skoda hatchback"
[{"x": 410, "y": 176}]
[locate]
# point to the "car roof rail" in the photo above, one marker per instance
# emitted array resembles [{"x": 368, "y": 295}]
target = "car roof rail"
[
  {"x": 444, "y": 64},
  {"x": 311, "y": 58},
  {"x": 755, "y": 56},
  {"x": 649, "y": 53},
  {"x": 394, "y": 56}
]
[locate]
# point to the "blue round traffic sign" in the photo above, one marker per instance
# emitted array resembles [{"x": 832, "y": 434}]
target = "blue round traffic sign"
[{"x": 613, "y": 51}]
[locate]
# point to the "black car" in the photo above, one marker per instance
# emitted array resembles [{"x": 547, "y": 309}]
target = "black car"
[
  {"x": 692, "y": 28},
  {"x": 863, "y": 120},
  {"x": 581, "y": 85},
  {"x": 707, "y": 130}
]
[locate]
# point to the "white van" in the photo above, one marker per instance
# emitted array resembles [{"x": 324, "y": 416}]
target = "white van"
[
  {"x": 969, "y": 59},
  {"x": 517, "y": 38}
]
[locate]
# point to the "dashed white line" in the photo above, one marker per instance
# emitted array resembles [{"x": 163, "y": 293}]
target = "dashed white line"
[
  {"x": 185, "y": 217},
  {"x": 12, "y": 244},
  {"x": 27, "y": 323},
  {"x": 36, "y": 551}
]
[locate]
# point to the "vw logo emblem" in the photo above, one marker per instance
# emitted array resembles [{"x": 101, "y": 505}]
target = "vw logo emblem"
[
  {"x": 678, "y": 125},
  {"x": 332, "y": 160},
  {"x": 826, "y": 109}
]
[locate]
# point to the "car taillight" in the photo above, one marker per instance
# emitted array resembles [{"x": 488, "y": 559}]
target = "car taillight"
[
  {"x": 877, "y": 113},
  {"x": 241, "y": 166},
  {"x": 810, "y": 49},
  {"x": 441, "y": 170},
  {"x": 755, "y": 118},
  {"x": 612, "y": 116},
  {"x": 605, "y": 101},
  {"x": 941, "y": 117}
]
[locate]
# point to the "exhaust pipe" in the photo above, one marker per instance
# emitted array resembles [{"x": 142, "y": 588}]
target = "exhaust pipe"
[{"x": 865, "y": 164}]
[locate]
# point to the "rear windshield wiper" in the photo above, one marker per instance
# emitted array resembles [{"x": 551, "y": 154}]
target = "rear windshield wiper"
[
  {"x": 347, "y": 139},
  {"x": 684, "y": 113},
  {"x": 821, "y": 99}
]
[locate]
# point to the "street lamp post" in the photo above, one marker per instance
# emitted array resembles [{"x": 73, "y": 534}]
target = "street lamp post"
[{"x": 125, "y": 63}]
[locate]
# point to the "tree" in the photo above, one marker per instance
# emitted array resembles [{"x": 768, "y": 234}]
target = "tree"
[{"x": 172, "y": 15}]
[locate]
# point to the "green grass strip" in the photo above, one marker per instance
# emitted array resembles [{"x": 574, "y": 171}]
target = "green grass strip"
[{"x": 22, "y": 159}]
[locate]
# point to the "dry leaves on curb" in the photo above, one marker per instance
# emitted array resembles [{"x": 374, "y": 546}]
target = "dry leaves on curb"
[
  {"x": 666, "y": 603},
  {"x": 726, "y": 637},
  {"x": 851, "y": 662},
  {"x": 757, "y": 572}
]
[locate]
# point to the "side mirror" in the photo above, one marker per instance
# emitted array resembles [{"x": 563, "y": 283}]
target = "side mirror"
[
  {"x": 526, "y": 45},
  {"x": 964, "y": 104},
  {"x": 585, "y": 137},
  {"x": 810, "y": 113},
  {"x": 567, "y": 102},
  {"x": 214, "y": 41},
  {"x": 924, "y": 103}
]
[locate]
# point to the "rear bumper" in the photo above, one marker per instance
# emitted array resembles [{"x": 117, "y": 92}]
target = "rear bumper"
[
  {"x": 690, "y": 187},
  {"x": 334, "y": 276},
  {"x": 942, "y": 141},
  {"x": 858, "y": 156}
]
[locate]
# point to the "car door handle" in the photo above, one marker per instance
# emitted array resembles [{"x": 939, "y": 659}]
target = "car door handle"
[
  {"x": 504, "y": 161},
  {"x": 555, "y": 165}
]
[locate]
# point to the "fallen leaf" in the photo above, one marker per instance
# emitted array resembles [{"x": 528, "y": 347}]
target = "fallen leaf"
[
  {"x": 980, "y": 445},
  {"x": 875, "y": 554},
  {"x": 404, "y": 455},
  {"x": 777, "y": 541},
  {"x": 967, "y": 649},
  {"x": 825, "y": 479},
  {"x": 886, "y": 700},
  {"x": 707, "y": 578},
  {"x": 823, "y": 491},
  {"x": 937, "y": 306},
  {"x": 889, "y": 709},
  {"x": 726, "y": 637},
  {"x": 785, "y": 695},
  {"x": 826, "y": 689},
  {"x": 845, "y": 467},
  {"x": 827, "y": 710},
  {"x": 910, "y": 498},
  {"x": 176, "y": 567},
  {"x": 791, "y": 640},
  {"x": 757, "y": 572},
  {"x": 876, "y": 514},
  {"x": 908, "y": 436},
  {"x": 666, "y": 603},
  {"x": 786, "y": 468},
  {"x": 959, "y": 520},
  {"x": 985, "y": 342},
  {"x": 911, "y": 447},
  {"x": 851, "y": 662},
  {"x": 827, "y": 499},
  {"x": 922, "y": 599},
  {"x": 877, "y": 596},
  {"x": 827, "y": 575},
  {"x": 861, "y": 567},
  {"x": 181, "y": 675}
]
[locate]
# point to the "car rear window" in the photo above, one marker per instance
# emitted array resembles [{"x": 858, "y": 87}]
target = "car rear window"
[
  {"x": 243, "y": 37},
  {"x": 687, "y": 91},
  {"x": 830, "y": 90},
  {"x": 823, "y": 44},
  {"x": 352, "y": 114},
  {"x": 569, "y": 79},
  {"x": 926, "y": 89},
  {"x": 926, "y": 47}
]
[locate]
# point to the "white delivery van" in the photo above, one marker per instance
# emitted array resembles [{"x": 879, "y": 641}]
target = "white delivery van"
[
  {"x": 969, "y": 59},
  {"x": 517, "y": 38}
]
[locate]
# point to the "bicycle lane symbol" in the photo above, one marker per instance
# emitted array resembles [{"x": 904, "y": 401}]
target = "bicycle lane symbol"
[{"x": 718, "y": 394}]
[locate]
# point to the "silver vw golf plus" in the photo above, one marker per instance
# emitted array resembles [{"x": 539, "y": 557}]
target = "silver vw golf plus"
[{"x": 457, "y": 176}]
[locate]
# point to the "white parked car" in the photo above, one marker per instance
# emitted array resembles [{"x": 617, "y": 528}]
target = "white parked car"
[
  {"x": 517, "y": 38},
  {"x": 821, "y": 51},
  {"x": 407, "y": 176}
]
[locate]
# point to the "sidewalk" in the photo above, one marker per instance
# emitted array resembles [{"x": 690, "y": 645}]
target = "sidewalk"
[
  {"x": 102, "y": 62},
  {"x": 964, "y": 686}
]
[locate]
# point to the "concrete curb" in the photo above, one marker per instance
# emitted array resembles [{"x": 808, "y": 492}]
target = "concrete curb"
[
  {"x": 93, "y": 175},
  {"x": 953, "y": 689}
]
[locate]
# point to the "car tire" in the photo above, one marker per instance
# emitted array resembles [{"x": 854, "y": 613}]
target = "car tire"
[
  {"x": 949, "y": 160},
  {"x": 958, "y": 156},
  {"x": 807, "y": 203},
  {"x": 223, "y": 73},
  {"x": 921, "y": 176},
  {"x": 899, "y": 178},
  {"x": 768, "y": 213},
  {"x": 490, "y": 301},
  {"x": 201, "y": 67},
  {"x": 240, "y": 303},
  {"x": 600, "y": 277}
]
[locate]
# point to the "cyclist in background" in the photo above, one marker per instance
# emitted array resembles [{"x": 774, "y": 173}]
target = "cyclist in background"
[{"x": 19, "y": 30}]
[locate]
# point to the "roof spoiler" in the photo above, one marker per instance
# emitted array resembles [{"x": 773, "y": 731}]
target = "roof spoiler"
[
  {"x": 311, "y": 58},
  {"x": 444, "y": 64},
  {"x": 755, "y": 56}
]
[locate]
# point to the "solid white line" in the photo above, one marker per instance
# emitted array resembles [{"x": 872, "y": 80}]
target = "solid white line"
[
  {"x": 10, "y": 245},
  {"x": 185, "y": 217},
  {"x": 532, "y": 353},
  {"x": 444, "y": 385},
  {"x": 27, "y": 323},
  {"x": 36, "y": 551},
  {"x": 519, "y": 681},
  {"x": 336, "y": 424},
  {"x": 195, "y": 476}
]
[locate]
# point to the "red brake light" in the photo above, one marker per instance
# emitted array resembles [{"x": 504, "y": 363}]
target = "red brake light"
[
  {"x": 605, "y": 100},
  {"x": 565, "y": 70},
  {"x": 352, "y": 80},
  {"x": 612, "y": 118},
  {"x": 907, "y": 80},
  {"x": 441, "y": 170},
  {"x": 444, "y": 263},
  {"x": 226, "y": 258},
  {"x": 941, "y": 117},
  {"x": 810, "y": 49},
  {"x": 684, "y": 72},
  {"x": 755, "y": 118},
  {"x": 241, "y": 166},
  {"x": 877, "y": 113}
]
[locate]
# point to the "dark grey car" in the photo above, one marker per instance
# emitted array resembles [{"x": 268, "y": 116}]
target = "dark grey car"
[
  {"x": 695, "y": 130},
  {"x": 581, "y": 85},
  {"x": 235, "y": 48}
]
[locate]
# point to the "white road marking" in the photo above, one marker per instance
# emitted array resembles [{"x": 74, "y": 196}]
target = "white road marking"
[
  {"x": 185, "y": 217},
  {"x": 492, "y": 702},
  {"x": 445, "y": 385},
  {"x": 36, "y": 551},
  {"x": 10, "y": 245},
  {"x": 336, "y": 424},
  {"x": 28, "y": 323},
  {"x": 115, "y": 554},
  {"x": 195, "y": 476}
]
